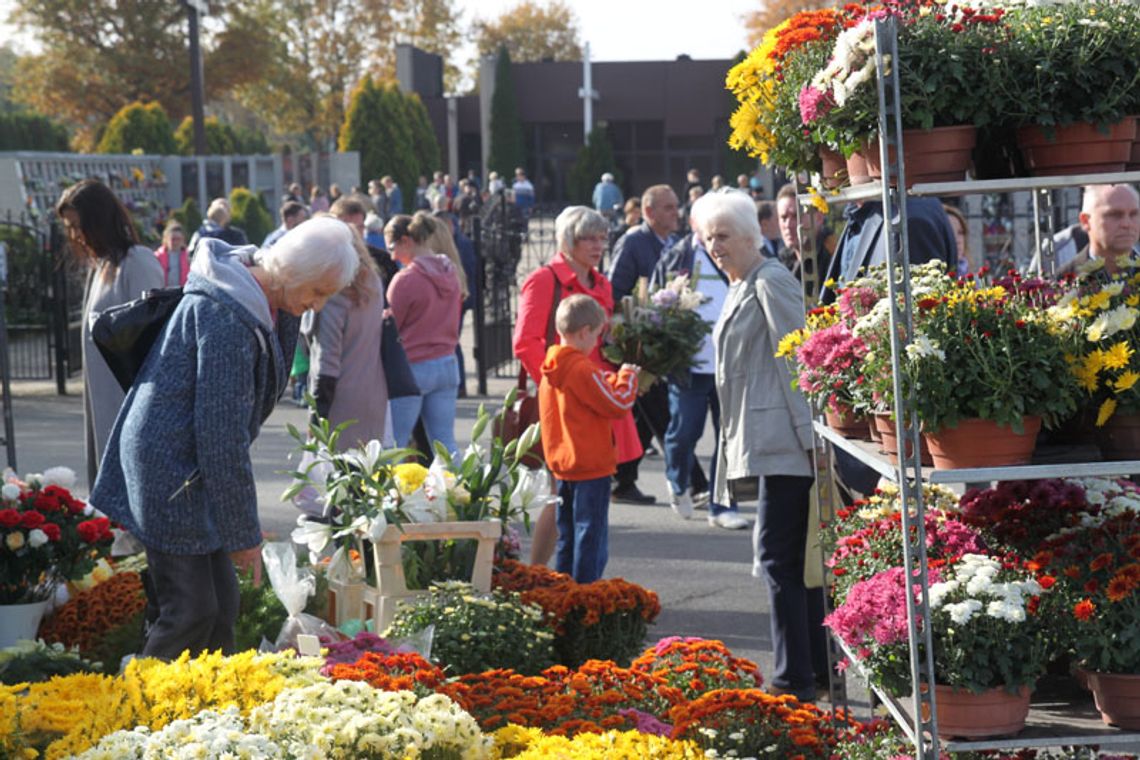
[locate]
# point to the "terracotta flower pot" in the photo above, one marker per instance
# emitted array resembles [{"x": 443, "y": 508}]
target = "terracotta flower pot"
[
  {"x": 846, "y": 422},
  {"x": 890, "y": 444},
  {"x": 873, "y": 430},
  {"x": 994, "y": 712},
  {"x": 1078, "y": 148},
  {"x": 857, "y": 172},
  {"x": 1117, "y": 697},
  {"x": 983, "y": 443},
  {"x": 942, "y": 154},
  {"x": 1134, "y": 159},
  {"x": 1119, "y": 437},
  {"x": 834, "y": 172}
]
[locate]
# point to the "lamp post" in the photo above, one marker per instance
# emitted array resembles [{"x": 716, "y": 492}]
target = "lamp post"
[{"x": 195, "y": 9}]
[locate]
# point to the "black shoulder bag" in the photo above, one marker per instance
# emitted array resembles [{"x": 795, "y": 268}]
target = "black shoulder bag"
[{"x": 125, "y": 334}]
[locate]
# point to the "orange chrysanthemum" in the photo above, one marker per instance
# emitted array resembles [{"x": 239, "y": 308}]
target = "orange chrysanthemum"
[{"x": 1084, "y": 610}]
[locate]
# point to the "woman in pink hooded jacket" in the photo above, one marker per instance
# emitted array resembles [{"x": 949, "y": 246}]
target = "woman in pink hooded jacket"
[{"x": 425, "y": 298}]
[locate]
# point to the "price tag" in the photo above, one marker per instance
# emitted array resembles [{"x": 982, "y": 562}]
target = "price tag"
[{"x": 308, "y": 645}]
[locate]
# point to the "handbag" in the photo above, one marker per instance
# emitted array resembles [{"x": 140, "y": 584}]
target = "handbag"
[
  {"x": 125, "y": 334},
  {"x": 397, "y": 368},
  {"x": 524, "y": 412}
]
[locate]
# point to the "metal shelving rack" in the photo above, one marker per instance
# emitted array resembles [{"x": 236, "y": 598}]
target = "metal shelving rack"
[{"x": 1051, "y": 727}]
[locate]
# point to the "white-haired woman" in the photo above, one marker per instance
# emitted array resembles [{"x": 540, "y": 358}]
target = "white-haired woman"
[
  {"x": 177, "y": 471},
  {"x": 580, "y": 233},
  {"x": 766, "y": 437}
]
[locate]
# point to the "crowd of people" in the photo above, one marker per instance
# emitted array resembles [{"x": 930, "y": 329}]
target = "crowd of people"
[{"x": 361, "y": 303}]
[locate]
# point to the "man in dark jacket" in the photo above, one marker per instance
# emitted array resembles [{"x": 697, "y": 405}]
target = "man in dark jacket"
[{"x": 636, "y": 255}]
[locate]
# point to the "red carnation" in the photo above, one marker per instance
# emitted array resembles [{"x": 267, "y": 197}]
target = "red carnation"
[
  {"x": 9, "y": 518},
  {"x": 90, "y": 531},
  {"x": 51, "y": 530},
  {"x": 32, "y": 520}
]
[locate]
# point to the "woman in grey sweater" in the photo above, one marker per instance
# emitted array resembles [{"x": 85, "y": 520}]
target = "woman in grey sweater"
[
  {"x": 101, "y": 232},
  {"x": 765, "y": 447},
  {"x": 177, "y": 471}
]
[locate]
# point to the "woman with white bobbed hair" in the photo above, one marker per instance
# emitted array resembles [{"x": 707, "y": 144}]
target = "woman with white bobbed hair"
[
  {"x": 177, "y": 471},
  {"x": 765, "y": 437}
]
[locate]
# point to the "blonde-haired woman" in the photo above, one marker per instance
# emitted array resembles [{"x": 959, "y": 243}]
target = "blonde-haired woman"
[
  {"x": 425, "y": 298},
  {"x": 346, "y": 375}
]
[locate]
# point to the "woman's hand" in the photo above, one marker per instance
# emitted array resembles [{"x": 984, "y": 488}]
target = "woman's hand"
[{"x": 248, "y": 559}]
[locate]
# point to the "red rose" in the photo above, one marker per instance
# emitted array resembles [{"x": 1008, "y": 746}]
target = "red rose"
[
  {"x": 9, "y": 518},
  {"x": 51, "y": 530},
  {"x": 32, "y": 520},
  {"x": 75, "y": 506},
  {"x": 88, "y": 531},
  {"x": 93, "y": 531},
  {"x": 46, "y": 503}
]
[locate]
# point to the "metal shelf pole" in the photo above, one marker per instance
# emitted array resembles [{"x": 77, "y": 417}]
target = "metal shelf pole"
[{"x": 906, "y": 428}]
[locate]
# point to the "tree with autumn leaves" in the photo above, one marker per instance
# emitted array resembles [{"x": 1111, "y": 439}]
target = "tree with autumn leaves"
[{"x": 290, "y": 64}]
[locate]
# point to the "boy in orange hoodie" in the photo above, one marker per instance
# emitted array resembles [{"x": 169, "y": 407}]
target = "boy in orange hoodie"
[{"x": 576, "y": 401}]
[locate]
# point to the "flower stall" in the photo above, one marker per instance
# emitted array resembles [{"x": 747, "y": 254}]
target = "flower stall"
[{"x": 931, "y": 602}]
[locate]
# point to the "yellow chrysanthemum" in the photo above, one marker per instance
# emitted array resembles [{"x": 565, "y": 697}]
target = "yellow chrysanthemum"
[
  {"x": 1125, "y": 381},
  {"x": 1116, "y": 357},
  {"x": 409, "y": 477},
  {"x": 1105, "y": 412},
  {"x": 790, "y": 342},
  {"x": 1132, "y": 300},
  {"x": 818, "y": 201},
  {"x": 1099, "y": 301}
]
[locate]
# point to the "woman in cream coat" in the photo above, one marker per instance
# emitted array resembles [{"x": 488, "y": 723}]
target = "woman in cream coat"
[{"x": 766, "y": 436}]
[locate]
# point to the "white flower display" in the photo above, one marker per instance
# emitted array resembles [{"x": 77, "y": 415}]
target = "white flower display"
[
  {"x": 350, "y": 719},
  {"x": 922, "y": 347},
  {"x": 208, "y": 734},
  {"x": 975, "y": 575}
]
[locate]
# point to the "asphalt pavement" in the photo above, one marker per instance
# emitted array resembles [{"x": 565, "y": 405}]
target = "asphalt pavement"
[{"x": 701, "y": 573}]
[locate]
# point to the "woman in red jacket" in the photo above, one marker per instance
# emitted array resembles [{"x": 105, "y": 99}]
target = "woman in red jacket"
[{"x": 581, "y": 234}]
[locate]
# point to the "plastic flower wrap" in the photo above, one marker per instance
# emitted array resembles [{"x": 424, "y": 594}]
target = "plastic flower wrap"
[
  {"x": 46, "y": 536},
  {"x": 661, "y": 331}
]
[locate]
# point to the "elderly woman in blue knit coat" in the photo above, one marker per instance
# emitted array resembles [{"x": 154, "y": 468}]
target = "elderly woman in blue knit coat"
[{"x": 177, "y": 471}]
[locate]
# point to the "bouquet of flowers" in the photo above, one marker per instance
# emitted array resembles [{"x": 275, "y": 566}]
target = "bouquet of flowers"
[
  {"x": 48, "y": 536},
  {"x": 660, "y": 332}
]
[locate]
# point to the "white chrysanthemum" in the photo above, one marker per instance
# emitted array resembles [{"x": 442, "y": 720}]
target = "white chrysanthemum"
[
  {"x": 961, "y": 612},
  {"x": 922, "y": 346}
]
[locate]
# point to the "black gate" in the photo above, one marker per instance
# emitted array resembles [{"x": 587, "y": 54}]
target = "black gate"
[
  {"x": 508, "y": 248},
  {"x": 44, "y": 302}
]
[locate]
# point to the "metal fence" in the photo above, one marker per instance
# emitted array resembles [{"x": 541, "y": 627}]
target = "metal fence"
[
  {"x": 43, "y": 306},
  {"x": 508, "y": 248}
]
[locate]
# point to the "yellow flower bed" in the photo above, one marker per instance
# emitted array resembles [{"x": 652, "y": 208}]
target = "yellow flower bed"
[
  {"x": 532, "y": 744},
  {"x": 83, "y": 708}
]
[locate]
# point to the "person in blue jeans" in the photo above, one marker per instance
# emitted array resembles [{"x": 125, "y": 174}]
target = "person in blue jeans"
[
  {"x": 425, "y": 298},
  {"x": 693, "y": 396}
]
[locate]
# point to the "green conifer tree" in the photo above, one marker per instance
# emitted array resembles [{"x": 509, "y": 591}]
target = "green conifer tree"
[
  {"x": 508, "y": 149},
  {"x": 594, "y": 158},
  {"x": 138, "y": 126}
]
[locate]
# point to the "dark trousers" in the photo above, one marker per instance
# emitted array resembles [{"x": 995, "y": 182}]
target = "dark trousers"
[
  {"x": 651, "y": 413},
  {"x": 583, "y": 528},
  {"x": 197, "y": 598},
  {"x": 799, "y": 644}
]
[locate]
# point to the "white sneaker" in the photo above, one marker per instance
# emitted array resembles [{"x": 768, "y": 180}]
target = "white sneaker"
[
  {"x": 701, "y": 500},
  {"x": 729, "y": 521},
  {"x": 682, "y": 504}
]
